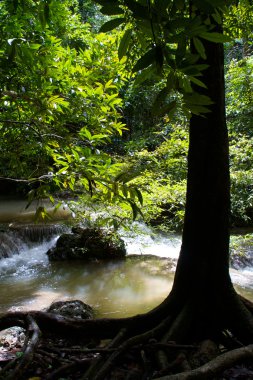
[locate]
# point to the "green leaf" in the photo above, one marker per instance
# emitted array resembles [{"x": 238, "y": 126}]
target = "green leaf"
[
  {"x": 198, "y": 110},
  {"x": 197, "y": 82},
  {"x": 146, "y": 60},
  {"x": 199, "y": 47},
  {"x": 125, "y": 190},
  {"x": 215, "y": 37},
  {"x": 217, "y": 17},
  {"x": 47, "y": 12},
  {"x": 171, "y": 83},
  {"x": 34, "y": 46},
  {"x": 138, "y": 10},
  {"x": 160, "y": 98},
  {"x": 166, "y": 109},
  {"x": 144, "y": 75},
  {"x": 139, "y": 196},
  {"x": 111, "y": 9},
  {"x": 112, "y": 24},
  {"x": 19, "y": 354},
  {"x": 198, "y": 99},
  {"x": 135, "y": 209},
  {"x": 124, "y": 43}
]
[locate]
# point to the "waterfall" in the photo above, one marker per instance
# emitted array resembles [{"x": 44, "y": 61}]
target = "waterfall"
[
  {"x": 18, "y": 237},
  {"x": 10, "y": 244},
  {"x": 37, "y": 233}
]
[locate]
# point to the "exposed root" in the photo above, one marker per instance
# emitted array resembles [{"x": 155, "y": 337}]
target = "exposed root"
[
  {"x": 171, "y": 349},
  {"x": 100, "y": 361},
  {"x": 126, "y": 346},
  {"x": 214, "y": 367}
]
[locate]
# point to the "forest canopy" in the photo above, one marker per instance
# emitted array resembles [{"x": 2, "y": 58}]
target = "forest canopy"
[
  {"x": 127, "y": 111},
  {"x": 85, "y": 111}
]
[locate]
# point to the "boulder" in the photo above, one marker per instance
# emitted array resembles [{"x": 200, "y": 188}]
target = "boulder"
[
  {"x": 88, "y": 244},
  {"x": 71, "y": 309}
]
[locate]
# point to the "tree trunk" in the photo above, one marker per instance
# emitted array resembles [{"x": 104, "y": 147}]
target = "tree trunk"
[
  {"x": 203, "y": 266},
  {"x": 203, "y": 292}
]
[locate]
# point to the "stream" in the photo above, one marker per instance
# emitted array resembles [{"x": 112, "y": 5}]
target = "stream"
[{"x": 28, "y": 281}]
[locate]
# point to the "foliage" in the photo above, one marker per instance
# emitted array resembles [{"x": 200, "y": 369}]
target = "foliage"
[
  {"x": 163, "y": 31},
  {"x": 241, "y": 148},
  {"x": 239, "y": 95},
  {"x": 60, "y": 101},
  {"x": 239, "y": 24},
  {"x": 162, "y": 178},
  {"x": 51, "y": 94},
  {"x": 66, "y": 93}
]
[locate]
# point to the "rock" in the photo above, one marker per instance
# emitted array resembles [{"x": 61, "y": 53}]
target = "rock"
[
  {"x": 72, "y": 309},
  {"x": 241, "y": 254},
  {"x": 88, "y": 244},
  {"x": 11, "y": 343}
]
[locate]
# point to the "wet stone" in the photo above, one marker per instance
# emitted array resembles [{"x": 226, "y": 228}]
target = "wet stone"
[
  {"x": 88, "y": 244},
  {"x": 72, "y": 309}
]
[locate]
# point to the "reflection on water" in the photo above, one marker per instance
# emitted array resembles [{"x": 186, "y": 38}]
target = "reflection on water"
[
  {"x": 17, "y": 211},
  {"x": 243, "y": 281},
  {"x": 121, "y": 288},
  {"x": 118, "y": 288}
]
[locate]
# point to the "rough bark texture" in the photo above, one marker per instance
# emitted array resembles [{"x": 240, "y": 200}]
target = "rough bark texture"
[{"x": 203, "y": 267}]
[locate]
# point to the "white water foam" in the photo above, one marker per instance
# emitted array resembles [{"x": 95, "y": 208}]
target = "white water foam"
[
  {"x": 25, "y": 263},
  {"x": 143, "y": 241}
]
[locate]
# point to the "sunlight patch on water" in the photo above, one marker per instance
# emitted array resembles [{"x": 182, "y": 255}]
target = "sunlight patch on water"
[
  {"x": 243, "y": 277},
  {"x": 119, "y": 288},
  {"x": 143, "y": 241}
]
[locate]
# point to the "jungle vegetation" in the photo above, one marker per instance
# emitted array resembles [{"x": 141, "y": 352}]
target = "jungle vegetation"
[
  {"x": 115, "y": 123},
  {"x": 69, "y": 97}
]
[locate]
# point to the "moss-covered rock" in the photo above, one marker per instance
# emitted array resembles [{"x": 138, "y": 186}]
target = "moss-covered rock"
[{"x": 88, "y": 244}]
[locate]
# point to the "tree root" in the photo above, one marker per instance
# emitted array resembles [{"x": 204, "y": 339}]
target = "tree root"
[
  {"x": 214, "y": 367},
  {"x": 126, "y": 345},
  {"x": 63, "y": 349}
]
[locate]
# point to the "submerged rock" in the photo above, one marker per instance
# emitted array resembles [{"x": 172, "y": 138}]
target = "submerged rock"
[
  {"x": 88, "y": 244},
  {"x": 72, "y": 309}
]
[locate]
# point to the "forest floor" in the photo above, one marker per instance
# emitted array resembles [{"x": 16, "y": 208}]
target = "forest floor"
[{"x": 48, "y": 358}]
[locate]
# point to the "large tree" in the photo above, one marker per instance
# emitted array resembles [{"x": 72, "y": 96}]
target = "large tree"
[{"x": 184, "y": 42}]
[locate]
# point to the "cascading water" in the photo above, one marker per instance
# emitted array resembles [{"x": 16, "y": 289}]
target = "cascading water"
[
  {"x": 10, "y": 244},
  {"x": 36, "y": 232},
  {"x": 113, "y": 288},
  {"x": 119, "y": 288}
]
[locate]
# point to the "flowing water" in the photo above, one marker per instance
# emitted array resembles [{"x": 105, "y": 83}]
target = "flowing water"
[
  {"x": 30, "y": 281},
  {"x": 125, "y": 287}
]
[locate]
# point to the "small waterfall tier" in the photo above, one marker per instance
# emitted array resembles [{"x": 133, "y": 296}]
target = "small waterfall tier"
[
  {"x": 38, "y": 232},
  {"x": 10, "y": 244}
]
